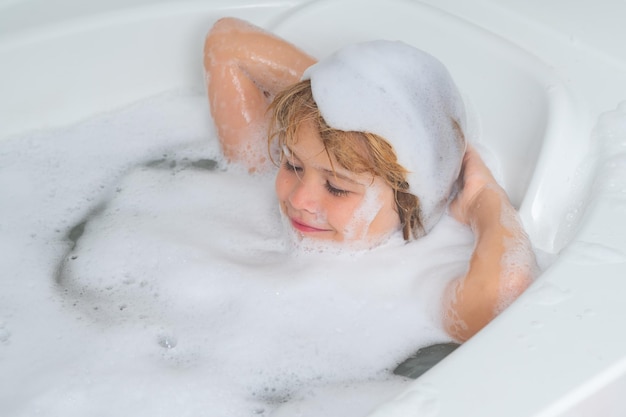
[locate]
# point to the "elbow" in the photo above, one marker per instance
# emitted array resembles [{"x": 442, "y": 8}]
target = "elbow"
[
  {"x": 220, "y": 38},
  {"x": 468, "y": 312},
  {"x": 228, "y": 30},
  {"x": 518, "y": 270},
  {"x": 512, "y": 286},
  {"x": 225, "y": 26},
  {"x": 463, "y": 322}
]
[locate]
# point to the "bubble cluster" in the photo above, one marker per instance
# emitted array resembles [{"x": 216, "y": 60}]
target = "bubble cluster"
[
  {"x": 161, "y": 279},
  {"x": 405, "y": 96}
]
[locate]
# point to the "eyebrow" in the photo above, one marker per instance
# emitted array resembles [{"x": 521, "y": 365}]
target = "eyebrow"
[
  {"x": 341, "y": 176},
  {"x": 332, "y": 172}
]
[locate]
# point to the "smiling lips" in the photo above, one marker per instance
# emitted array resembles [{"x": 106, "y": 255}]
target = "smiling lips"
[{"x": 305, "y": 228}]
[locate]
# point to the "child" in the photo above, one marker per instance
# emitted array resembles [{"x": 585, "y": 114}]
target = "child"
[{"x": 369, "y": 142}]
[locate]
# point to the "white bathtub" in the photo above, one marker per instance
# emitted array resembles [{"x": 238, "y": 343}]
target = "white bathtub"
[{"x": 537, "y": 77}]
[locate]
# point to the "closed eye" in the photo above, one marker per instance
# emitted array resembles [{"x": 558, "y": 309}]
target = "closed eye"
[
  {"x": 337, "y": 192},
  {"x": 291, "y": 167}
]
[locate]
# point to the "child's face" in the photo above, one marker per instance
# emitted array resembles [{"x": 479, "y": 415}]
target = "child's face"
[{"x": 323, "y": 201}]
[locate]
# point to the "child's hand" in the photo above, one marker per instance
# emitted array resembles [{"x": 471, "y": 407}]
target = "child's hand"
[{"x": 475, "y": 178}]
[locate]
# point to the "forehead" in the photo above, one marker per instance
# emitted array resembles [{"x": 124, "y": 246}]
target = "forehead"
[
  {"x": 349, "y": 150},
  {"x": 309, "y": 149}
]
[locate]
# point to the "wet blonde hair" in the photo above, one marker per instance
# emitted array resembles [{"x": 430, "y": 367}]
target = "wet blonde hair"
[{"x": 358, "y": 152}]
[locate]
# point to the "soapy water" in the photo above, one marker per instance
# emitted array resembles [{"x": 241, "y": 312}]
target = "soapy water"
[{"x": 141, "y": 276}]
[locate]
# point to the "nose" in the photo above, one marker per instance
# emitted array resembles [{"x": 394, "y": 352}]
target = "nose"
[{"x": 303, "y": 197}]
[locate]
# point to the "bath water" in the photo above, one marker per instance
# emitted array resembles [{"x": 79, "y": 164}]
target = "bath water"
[{"x": 142, "y": 276}]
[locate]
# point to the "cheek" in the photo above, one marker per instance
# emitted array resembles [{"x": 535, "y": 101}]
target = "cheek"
[
  {"x": 374, "y": 215},
  {"x": 280, "y": 185},
  {"x": 387, "y": 219},
  {"x": 341, "y": 211}
]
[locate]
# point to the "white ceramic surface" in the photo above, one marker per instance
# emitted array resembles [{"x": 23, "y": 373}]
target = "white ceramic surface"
[{"x": 537, "y": 76}]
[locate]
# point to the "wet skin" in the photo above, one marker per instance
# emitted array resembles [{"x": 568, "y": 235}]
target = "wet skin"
[{"x": 324, "y": 201}]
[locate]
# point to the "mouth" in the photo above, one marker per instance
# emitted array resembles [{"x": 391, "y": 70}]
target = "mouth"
[{"x": 305, "y": 228}]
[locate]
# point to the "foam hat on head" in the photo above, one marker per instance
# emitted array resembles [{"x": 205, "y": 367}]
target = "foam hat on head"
[{"x": 406, "y": 96}]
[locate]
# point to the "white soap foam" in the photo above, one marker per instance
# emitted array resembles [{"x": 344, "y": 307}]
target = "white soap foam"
[
  {"x": 178, "y": 293},
  {"x": 365, "y": 213},
  {"x": 406, "y": 96}
]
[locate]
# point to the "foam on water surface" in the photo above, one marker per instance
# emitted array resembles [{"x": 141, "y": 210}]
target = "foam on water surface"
[{"x": 143, "y": 278}]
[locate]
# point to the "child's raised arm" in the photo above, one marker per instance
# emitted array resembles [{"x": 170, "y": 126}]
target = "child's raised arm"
[
  {"x": 245, "y": 67},
  {"x": 502, "y": 264}
]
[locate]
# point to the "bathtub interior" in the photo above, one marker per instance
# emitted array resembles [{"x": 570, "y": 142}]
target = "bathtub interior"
[
  {"x": 520, "y": 107},
  {"x": 71, "y": 69},
  {"x": 516, "y": 104}
]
